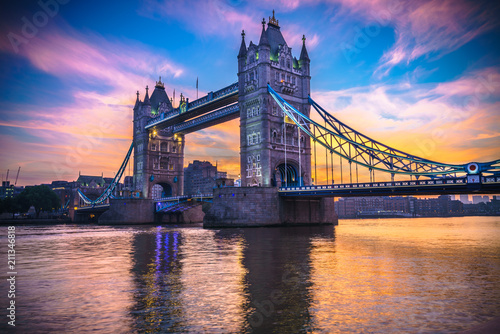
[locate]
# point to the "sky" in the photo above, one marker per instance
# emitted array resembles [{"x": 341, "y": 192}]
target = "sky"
[{"x": 420, "y": 76}]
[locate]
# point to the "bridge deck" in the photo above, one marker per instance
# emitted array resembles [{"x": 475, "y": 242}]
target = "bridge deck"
[
  {"x": 92, "y": 209},
  {"x": 489, "y": 185},
  {"x": 216, "y": 117},
  {"x": 212, "y": 101}
]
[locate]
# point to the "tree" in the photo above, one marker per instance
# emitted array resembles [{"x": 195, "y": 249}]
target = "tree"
[
  {"x": 9, "y": 204},
  {"x": 41, "y": 197}
]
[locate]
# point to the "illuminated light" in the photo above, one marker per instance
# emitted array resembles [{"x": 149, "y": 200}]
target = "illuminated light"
[
  {"x": 473, "y": 168},
  {"x": 76, "y": 208}
]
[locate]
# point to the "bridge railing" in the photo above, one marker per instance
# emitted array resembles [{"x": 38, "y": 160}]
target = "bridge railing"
[
  {"x": 226, "y": 91},
  {"x": 166, "y": 202},
  {"x": 395, "y": 184},
  {"x": 199, "y": 102},
  {"x": 213, "y": 96},
  {"x": 210, "y": 97},
  {"x": 171, "y": 199},
  {"x": 207, "y": 118}
]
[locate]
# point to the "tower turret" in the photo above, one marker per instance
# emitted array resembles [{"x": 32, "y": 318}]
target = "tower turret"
[
  {"x": 137, "y": 102},
  {"x": 263, "y": 35},
  {"x": 146, "y": 98},
  {"x": 242, "y": 55},
  {"x": 243, "y": 46},
  {"x": 304, "y": 60}
]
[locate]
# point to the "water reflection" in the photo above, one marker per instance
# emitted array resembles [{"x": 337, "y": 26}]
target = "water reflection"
[
  {"x": 380, "y": 276},
  {"x": 157, "y": 272},
  {"x": 70, "y": 279},
  {"x": 231, "y": 280},
  {"x": 278, "y": 280},
  {"x": 187, "y": 280},
  {"x": 393, "y": 276}
]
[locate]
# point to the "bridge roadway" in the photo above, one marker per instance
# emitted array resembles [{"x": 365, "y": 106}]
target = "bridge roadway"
[
  {"x": 216, "y": 117},
  {"x": 204, "y": 105},
  {"x": 459, "y": 185},
  {"x": 87, "y": 209}
]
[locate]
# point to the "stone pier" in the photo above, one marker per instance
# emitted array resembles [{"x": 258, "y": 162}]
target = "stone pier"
[
  {"x": 262, "y": 206},
  {"x": 129, "y": 211}
]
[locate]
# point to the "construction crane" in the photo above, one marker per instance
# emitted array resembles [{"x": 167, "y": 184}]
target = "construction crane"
[
  {"x": 17, "y": 176},
  {"x": 7, "y": 177}
]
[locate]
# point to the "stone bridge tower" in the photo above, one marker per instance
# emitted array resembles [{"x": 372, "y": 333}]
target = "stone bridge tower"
[
  {"x": 158, "y": 155},
  {"x": 265, "y": 132}
]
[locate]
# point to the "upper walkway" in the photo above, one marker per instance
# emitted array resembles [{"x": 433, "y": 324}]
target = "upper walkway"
[{"x": 208, "y": 103}]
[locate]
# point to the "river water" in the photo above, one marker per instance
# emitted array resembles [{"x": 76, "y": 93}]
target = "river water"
[{"x": 421, "y": 275}]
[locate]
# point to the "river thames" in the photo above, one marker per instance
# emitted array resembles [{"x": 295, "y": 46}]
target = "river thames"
[{"x": 422, "y": 275}]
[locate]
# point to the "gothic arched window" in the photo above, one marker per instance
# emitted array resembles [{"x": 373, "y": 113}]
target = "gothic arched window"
[{"x": 164, "y": 163}]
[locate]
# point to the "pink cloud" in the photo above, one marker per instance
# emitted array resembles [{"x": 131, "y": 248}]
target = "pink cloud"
[
  {"x": 423, "y": 28},
  {"x": 215, "y": 17},
  {"x": 204, "y": 17},
  {"x": 432, "y": 28},
  {"x": 95, "y": 127},
  {"x": 480, "y": 84},
  {"x": 435, "y": 127}
]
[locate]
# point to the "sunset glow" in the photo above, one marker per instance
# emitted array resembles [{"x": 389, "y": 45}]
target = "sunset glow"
[{"x": 420, "y": 76}]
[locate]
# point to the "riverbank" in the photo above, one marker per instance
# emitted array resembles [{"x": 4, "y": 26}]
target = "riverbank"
[{"x": 43, "y": 221}]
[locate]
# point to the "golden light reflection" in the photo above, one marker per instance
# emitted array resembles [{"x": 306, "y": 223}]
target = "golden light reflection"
[
  {"x": 213, "y": 287},
  {"x": 89, "y": 271},
  {"x": 381, "y": 274}
]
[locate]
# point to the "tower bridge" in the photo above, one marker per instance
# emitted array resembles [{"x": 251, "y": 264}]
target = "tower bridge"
[{"x": 278, "y": 147}]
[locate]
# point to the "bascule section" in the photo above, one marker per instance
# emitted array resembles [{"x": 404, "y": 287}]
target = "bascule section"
[
  {"x": 158, "y": 152},
  {"x": 274, "y": 151}
]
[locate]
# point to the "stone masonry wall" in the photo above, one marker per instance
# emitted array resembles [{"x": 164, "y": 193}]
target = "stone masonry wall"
[
  {"x": 243, "y": 206},
  {"x": 262, "y": 206},
  {"x": 129, "y": 211}
]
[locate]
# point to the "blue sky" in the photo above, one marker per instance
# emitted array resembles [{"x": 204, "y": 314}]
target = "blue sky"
[{"x": 422, "y": 76}]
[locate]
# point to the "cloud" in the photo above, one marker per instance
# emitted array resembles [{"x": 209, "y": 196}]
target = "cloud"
[
  {"x": 66, "y": 54},
  {"x": 95, "y": 124},
  {"x": 479, "y": 84},
  {"x": 228, "y": 18},
  {"x": 423, "y": 28},
  {"x": 424, "y": 120},
  {"x": 432, "y": 28},
  {"x": 203, "y": 17}
]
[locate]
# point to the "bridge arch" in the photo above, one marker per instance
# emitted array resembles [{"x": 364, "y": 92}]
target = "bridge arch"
[
  {"x": 161, "y": 190},
  {"x": 92, "y": 193},
  {"x": 286, "y": 174}
]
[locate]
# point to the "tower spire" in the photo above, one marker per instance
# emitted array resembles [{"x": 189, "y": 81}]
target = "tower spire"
[
  {"x": 243, "y": 47},
  {"x": 159, "y": 84},
  {"x": 146, "y": 98},
  {"x": 263, "y": 35},
  {"x": 273, "y": 21},
  {"x": 303, "y": 52},
  {"x": 137, "y": 101}
]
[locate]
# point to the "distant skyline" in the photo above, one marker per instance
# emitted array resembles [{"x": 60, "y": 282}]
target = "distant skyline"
[{"x": 421, "y": 76}]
